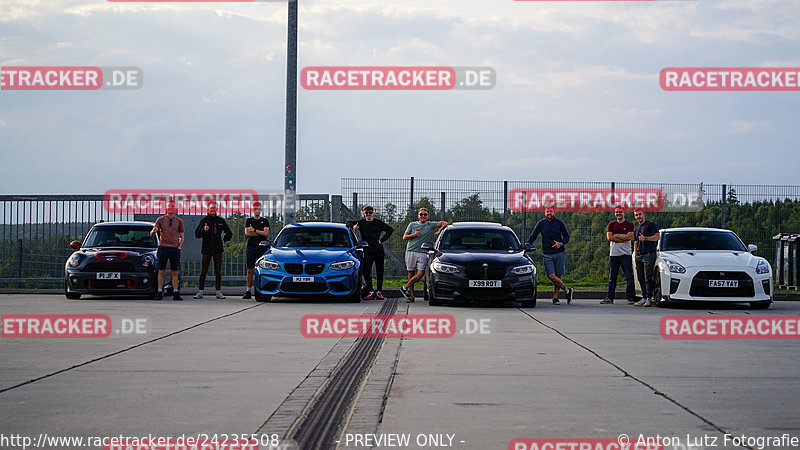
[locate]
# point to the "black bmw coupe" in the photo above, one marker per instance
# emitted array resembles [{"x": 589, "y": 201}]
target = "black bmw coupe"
[{"x": 479, "y": 261}]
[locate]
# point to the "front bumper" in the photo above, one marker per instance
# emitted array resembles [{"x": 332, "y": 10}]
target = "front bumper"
[
  {"x": 128, "y": 283},
  {"x": 339, "y": 283},
  {"x": 455, "y": 287},
  {"x": 694, "y": 285}
]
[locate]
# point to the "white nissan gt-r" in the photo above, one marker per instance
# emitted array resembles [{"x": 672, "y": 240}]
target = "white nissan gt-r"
[{"x": 710, "y": 265}]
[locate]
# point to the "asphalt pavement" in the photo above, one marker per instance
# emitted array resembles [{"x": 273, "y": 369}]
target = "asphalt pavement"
[{"x": 503, "y": 378}]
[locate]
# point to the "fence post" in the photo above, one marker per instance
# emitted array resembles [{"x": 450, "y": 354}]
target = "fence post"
[
  {"x": 724, "y": 205},
  {"x": 441, "y": 208},
  {"x": 326, "y": 214},
  {"x": 411, "y": 201},
  {"x": 336, "y": 208},
  {"x": 19, "y": 263},
  {"x": 355, "y": 201},
  {"x": 505, "y": 202}
]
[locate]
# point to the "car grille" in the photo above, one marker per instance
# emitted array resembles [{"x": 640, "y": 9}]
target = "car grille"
[
  {"x": 297, "y": 268},
  {"x": 293, "y": 268},
  {"x": 314, "y": 268},
  {"x": 109, "y": 266},
  {"x": 289, "y": 286},
  {"x": 700, "y": 288},
  {"x": 479, "y": 273}
]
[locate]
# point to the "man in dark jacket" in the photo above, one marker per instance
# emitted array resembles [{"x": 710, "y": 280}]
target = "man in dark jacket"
[
  {"x": 554, "y": 238},
  {"x": 375, "y": 232},
  {"x": 210, "y": 229}
]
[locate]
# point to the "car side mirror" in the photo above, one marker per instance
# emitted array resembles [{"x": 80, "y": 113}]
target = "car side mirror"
[
  {"x": 427, "y": 246},
  {"x": 529, "y": 247},
  {"x": 75, "y": 245},
  {"x": 362, "y": 244},
  {"x": 752, "y": 248},
  {"x": 264, "y": 245}
]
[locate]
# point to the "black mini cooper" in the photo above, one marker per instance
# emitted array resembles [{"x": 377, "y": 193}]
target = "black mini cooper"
[
  {"x": 115, "y": 258},
  {"x": 479, "y": 261}
]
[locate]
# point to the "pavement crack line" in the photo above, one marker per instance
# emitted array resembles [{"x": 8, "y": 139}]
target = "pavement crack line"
[
  {"x": 635, "y": 378},
  {"x": 124, "y": 350}
]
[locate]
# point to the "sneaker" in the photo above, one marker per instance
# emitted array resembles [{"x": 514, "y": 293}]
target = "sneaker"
[
  {"x": 370, "y": 296},
  {"x": 247, "y": 295},
  {"x": 556, "y": 302},
  {"x": 643, "y": 302},
  {"x": 177, "y": 297},
  {"x": 379, "y": 296},
  {"x": 631, "y": 301},
  {"x": 406, "y": 294},
  {"x": 199, "y": 294},
  {"x": 607, "y": 301},
  {"x": 159, "y": 295},
  {"x": 219, "y": 295},
  {"x": 410, "y": 299},
  {"x": 569, "y": 295}
]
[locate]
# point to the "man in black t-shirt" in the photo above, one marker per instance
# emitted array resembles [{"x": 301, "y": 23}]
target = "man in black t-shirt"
[
  {"x": 375, "y": 232},
  {"x": 256, "y": 228},
  {"x": 645, "y": 242}
]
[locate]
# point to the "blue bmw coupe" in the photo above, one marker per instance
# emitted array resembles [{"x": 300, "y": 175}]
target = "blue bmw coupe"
[{"x": 311, "y": 259}]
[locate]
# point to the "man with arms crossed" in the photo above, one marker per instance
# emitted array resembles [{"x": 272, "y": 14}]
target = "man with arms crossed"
[
  {"x": 417, "y": 258},
  {"x": 256, "y": 229},
  {"x": 619, "y": 234},
  {"x": 170, "y": 229},
  {"x": 645, "y": 239},
  {"x": 375, "y": 232},
  {"x": 554, "y": 238}
]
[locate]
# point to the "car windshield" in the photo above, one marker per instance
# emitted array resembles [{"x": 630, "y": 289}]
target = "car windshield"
[
  {"x": 313, "y": 237},
  {"x": 479, "y": 240},
  {"x": 701, "y": 240},
  {"x": 121, "y": 236}
]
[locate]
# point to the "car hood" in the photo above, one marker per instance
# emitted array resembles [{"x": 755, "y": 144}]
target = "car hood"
[
  {"x": 493, "y": 258},
  {"x": 283, "y": 254},
  {"x": 721, "y": 258},
  {"x": 131, "y": 251}
]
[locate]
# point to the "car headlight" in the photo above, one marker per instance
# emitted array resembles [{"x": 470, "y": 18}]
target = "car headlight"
[
  {"x": 75, "y": 260},
  {"x": 762, "y": 267},
  {"x": 674, "y": 267},
  {"x": 269, "y": 265},
  {"x": 147, "y": 260},
  {"x": 342, "y": 265},
  {"x": 523, "y": 270},
  {"x": 444, "y": 268}
]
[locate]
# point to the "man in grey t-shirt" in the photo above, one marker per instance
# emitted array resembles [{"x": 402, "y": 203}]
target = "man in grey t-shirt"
[{"x": 417, "y": 258}]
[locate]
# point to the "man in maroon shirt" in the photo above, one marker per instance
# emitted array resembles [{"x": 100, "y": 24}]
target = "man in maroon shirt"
[
  {"x": 170, "y": 229},
  {"x": 619, "y": 234}
]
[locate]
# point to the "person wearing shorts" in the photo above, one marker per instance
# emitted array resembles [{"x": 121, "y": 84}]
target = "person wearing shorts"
[
  {"x": 171, "y": 233},
  {"x": 554, "y": 238},
  {"x": 256, "y": 229},
  {"x": 416, "y": 258}
]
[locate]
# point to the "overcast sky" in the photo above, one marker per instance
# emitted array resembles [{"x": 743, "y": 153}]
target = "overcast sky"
[{"x": 577, "y": 95}]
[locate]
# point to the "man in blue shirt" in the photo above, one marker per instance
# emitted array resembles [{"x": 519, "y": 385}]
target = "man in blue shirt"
[{"x": 554, "y": 238}]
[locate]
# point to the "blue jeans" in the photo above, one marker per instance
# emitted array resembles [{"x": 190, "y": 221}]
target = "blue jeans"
[{"x": 614, "y": 262}]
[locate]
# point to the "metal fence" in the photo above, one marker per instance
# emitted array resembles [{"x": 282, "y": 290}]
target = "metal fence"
[
  {"x": 755, "y": 212},
  {"x": 35, "y": 230}
]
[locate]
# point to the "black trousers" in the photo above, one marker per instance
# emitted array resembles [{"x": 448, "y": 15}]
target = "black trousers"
[
  {"x": 377, "y": 258},
  {"x": 217, "y": 269}
]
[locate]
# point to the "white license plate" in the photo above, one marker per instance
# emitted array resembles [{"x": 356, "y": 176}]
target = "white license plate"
[
  {"x": 486, "y": 283},
  {"x": 723, "y": 283},
  {"x": 108, "y": 275},
  {"x": 303, "y": 279}
]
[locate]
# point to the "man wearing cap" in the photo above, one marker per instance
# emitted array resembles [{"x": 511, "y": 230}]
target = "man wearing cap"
[
  {"x": 416, "y": 234},
  {"x": 619, "y": 234},
  {"x": 645, "y": 240},
  {"x": 170, "y": 241},
  {"x": 256, "y": 229},
  {"x": 210, "y": 229},
  {"x": 554, "y": 238}
]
